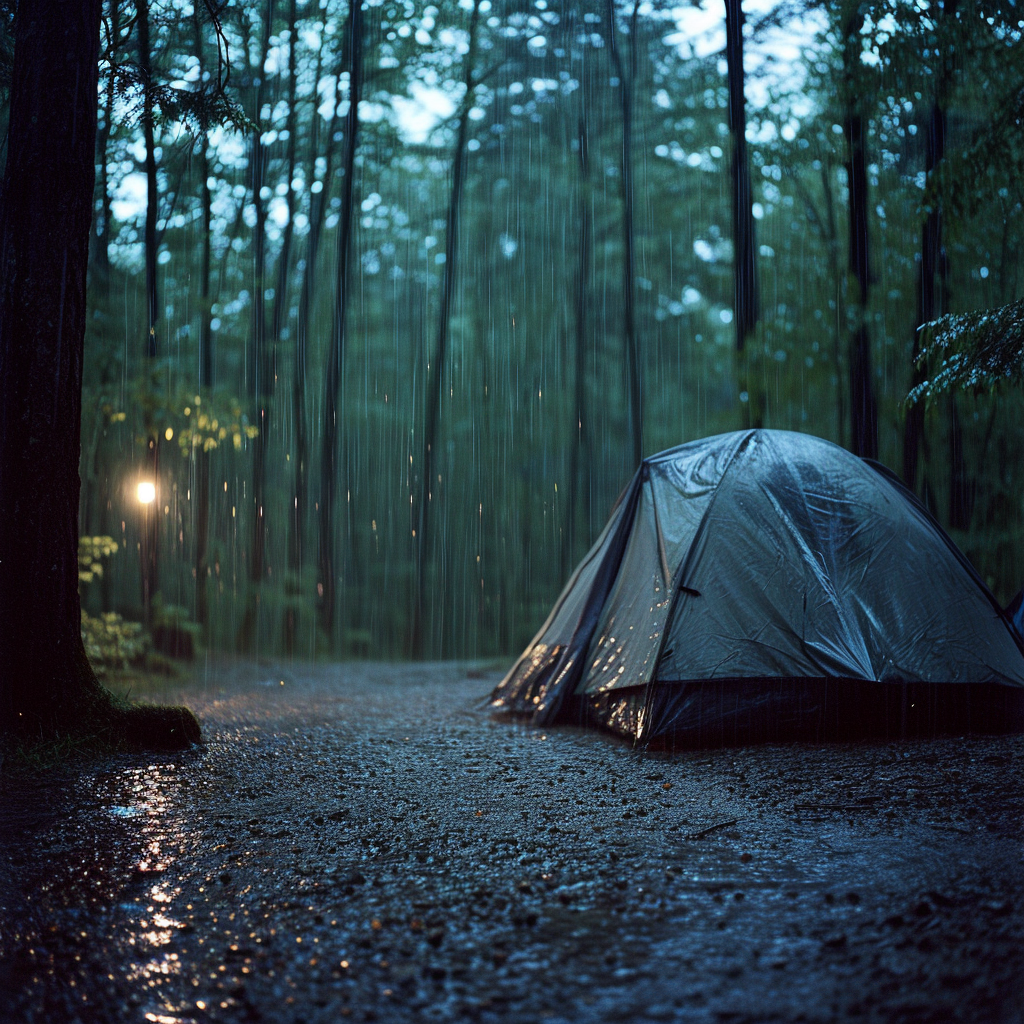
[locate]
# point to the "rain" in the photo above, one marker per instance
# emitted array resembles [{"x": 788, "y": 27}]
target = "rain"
[{"x": 385, "y": 312}]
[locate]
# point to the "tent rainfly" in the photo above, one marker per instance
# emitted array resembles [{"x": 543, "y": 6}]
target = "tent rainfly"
[{"x": 767, "y": 585}]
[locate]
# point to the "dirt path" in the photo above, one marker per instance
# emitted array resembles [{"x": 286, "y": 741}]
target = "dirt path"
[{"x": 362, "y": 842}]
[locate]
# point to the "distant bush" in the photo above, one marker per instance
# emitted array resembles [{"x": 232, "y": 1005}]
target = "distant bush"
[
  {"x": 112, "y": 643},
  {"x": 174, "y": 633}
]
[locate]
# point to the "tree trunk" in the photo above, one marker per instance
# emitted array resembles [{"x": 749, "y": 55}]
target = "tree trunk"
[
  {"x": 580, "y": 448},
  {"x": 279, "y": 315},
  {"x": 929, "y": 304},
  {"x": 625, "y": 90},
  {"x": 317, "y": 208},
  {"x": 744, "y": 266},
  {"x": 202, "y": 545},
  {"x": 47, "y": 689},
  {"x": 863, "y": 406},
  {"x": 260, "y": 375},
  {"x": 961, "y": 487},
  {"x": 336, "y": 348},
  {"x": 101, "y": 262},
  {"x": 832, "y": 232},
  {"x": 150, "y": 513},
  {"x": 435, "y": 369}
]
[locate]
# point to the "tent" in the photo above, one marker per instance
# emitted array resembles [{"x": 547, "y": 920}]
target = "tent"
[{"x": 767, "y": 585}]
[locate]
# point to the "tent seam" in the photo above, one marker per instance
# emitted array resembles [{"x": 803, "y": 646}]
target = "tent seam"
[{"x": 676, "y": 589}]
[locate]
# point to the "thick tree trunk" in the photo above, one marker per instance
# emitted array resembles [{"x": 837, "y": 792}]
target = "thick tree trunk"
[
  {"x": 744, "y": 266},
  {"x": 863, "y": 406},
  {"x": 47, "y": 688},
  {"x": 435, "y": 374},
  {"x": 625, "y": 90},
  {"x": 336, "y": 348}
]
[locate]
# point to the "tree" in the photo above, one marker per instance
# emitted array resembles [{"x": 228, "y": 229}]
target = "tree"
[
  {"x": 744, "y": 267},
  {"x": 863, "y": 405},
  {"x": 151, "y": 520},
  {"x": 578, "y": 480},
  {"x": 435, "y": 369},
  {"x": 48, "y": 688},
  {"x": 260, "y": 377},
  {"x": 202, "y": 544},
  {"x": 625, "y": 87},
  {"x": 336, "y": 346},
  {"x": 317, "y": 209}
]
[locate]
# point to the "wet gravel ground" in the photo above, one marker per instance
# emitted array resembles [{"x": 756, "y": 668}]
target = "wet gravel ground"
[{"x": 364, "y": 842}]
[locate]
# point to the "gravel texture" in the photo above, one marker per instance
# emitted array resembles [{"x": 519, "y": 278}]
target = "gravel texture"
[{"x": 366, "y": 842}]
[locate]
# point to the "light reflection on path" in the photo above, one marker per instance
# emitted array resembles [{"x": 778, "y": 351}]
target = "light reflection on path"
[{"x": 152, "y": 927}]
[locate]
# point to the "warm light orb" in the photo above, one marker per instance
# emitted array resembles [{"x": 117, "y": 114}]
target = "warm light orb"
[{"x": 146, "y": 492}]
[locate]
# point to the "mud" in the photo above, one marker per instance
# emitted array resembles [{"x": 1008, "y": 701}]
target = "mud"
[{"x": 364, "y": 842}]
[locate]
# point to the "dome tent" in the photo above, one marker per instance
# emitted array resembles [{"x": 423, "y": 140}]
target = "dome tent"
[{"x": 766, "y": 585}]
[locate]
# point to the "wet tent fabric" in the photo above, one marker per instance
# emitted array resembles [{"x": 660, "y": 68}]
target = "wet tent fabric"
[{"x": 766, "y": 584}]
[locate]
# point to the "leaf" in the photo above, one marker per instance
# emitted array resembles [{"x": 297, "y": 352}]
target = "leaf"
[{"x": 977, "y": 350}]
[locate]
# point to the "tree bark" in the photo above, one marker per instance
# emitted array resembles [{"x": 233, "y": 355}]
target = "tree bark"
[
  {"x": 47, "y": 689},
  {"x": 336, "y": 348},
  {"x": 625, "y": 91},
  {"x": 435, "y": 371}
]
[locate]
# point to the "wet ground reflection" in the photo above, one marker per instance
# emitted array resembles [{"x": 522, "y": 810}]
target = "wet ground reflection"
[
  {"x": 88, "y": 857},
  {"x": 362, "y": 844}
]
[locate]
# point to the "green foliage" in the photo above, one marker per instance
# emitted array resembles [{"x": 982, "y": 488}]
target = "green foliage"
[
  {"x": 112, "y": 643},
  {"x": 174, "y": 633},
  {"x": 975, "y": 351},
  {"x": 91, "y": 552},
  {"x": 207, "y": 425}
]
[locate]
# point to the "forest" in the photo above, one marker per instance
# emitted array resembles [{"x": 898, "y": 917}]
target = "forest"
[{"x": 387, "y": 300}]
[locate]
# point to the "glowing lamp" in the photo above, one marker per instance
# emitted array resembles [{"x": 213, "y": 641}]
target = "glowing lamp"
[{"x": 146, "y": 492}]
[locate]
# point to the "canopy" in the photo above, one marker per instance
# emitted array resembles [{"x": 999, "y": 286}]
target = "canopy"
[{"x": 765, "y": 584}]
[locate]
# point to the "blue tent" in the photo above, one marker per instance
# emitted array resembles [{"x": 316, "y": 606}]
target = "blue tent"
[{"x": 767, "y": 585}]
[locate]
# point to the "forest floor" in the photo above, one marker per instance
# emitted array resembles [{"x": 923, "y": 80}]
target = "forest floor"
[{"x": 365, "y": 842}]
